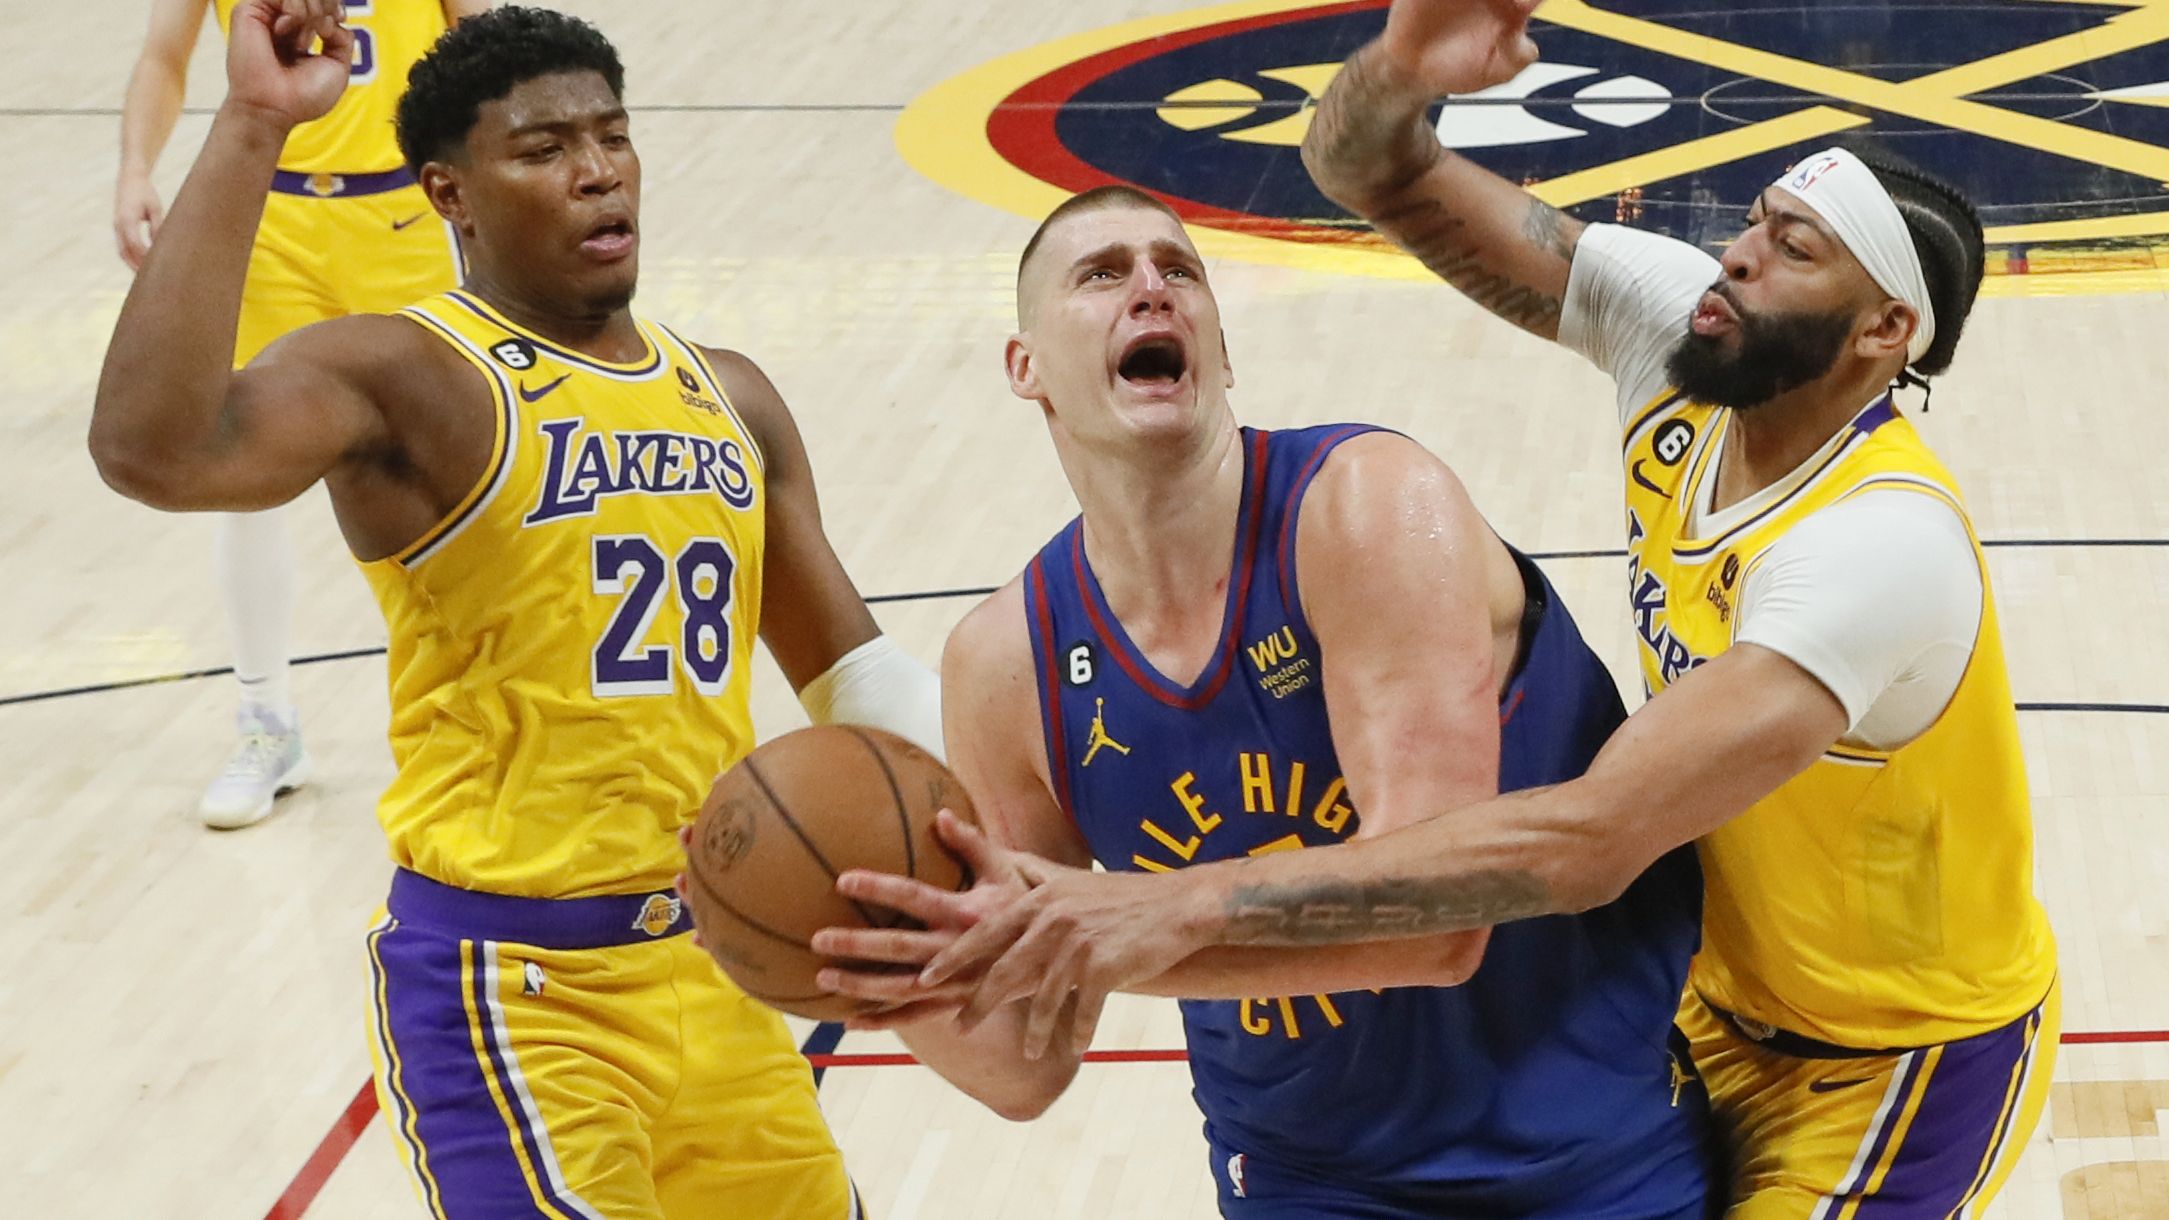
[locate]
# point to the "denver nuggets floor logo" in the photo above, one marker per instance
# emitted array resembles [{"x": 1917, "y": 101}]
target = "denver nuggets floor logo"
[{"x": 2052, "y": 114}]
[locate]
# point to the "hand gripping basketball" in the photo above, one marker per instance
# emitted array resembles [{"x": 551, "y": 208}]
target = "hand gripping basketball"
[
  {"x": 1065, "y": 944},
  {"x": 881, "y": 965},
  {"x": 782, "y": 825}
]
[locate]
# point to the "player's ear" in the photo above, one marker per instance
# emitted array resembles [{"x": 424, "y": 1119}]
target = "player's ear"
[
  {"x": 1890, "y": 329},
  {"x": 1023, "y": 373},
  {"x": 1227, "y": 362},
  {"x": 442, "y": 191}
]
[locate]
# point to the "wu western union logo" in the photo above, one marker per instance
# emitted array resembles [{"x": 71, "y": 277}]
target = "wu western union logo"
[{"x": 1282, "y": 671}]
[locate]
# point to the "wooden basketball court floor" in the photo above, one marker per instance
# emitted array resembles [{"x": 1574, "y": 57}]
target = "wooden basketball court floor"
[{"x": 181, "y": 1012}]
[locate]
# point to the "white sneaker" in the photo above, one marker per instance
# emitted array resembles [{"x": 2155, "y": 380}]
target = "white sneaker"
[{"x": 267, "y": 763}]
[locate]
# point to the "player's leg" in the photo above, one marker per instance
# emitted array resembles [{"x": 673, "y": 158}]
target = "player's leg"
[
  {"x": 515, "y": 1080},
  {"x": 1979, "y": 1100},
  {"x": 253, "y": 558},
  {"x": 1927, "y": 1132},
  {"x": 744, "y": 1136},
  {"x": 1772, "y": 1160}
]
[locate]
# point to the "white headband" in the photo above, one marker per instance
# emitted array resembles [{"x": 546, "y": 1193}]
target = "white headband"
[{"x": 1851, "y": 200}]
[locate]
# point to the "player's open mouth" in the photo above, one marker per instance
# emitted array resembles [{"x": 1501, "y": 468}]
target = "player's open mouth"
[
  {"x": 1713, "y": 315},
  {"x": 612, "y": 239},
  {"x": 1153, "y": 361}
]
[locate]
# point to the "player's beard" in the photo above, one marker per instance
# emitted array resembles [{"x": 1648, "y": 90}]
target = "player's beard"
[{"x": 1777, "y": 352}]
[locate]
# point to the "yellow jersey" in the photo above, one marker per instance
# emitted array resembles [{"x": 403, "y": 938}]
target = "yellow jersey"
[
  {"x": 570, "y": 648},
  {"x": 1878, "y": 898},
  {"x": 357, "y": 136}
]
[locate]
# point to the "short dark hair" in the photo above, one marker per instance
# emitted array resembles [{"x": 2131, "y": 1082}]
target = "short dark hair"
[
  {"x": 482, "y": 59},
  {"x": 1946, "y": 232},
  {"x": 1097, "y": 199}
]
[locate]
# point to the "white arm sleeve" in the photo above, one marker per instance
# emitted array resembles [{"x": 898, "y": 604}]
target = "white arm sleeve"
[
  {"x": 882, "y": 686},
  {"x": 1629, "y": 296},
  {"x": 1879, "y": 598}
]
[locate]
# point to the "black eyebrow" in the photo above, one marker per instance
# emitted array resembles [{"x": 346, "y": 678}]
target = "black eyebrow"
[
  {"x": 612, "y": 115},
  {"x": 1785, "y": 215}
]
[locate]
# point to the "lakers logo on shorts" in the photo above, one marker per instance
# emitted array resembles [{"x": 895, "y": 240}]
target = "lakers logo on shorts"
[
  {"x": 658, "y": 915},
  {"x": 324, "y": 186}
]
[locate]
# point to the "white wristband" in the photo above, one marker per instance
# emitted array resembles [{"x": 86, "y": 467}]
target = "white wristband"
[{"x": 882, "y": 686}]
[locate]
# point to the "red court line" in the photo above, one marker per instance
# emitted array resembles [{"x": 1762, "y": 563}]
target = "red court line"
[
  {"x": 2116, "y": 1037},
  {"x": 331, "y": 1150},
  {"x": 901, "y": 1059},
  {"x": 317, "y": 1170}
]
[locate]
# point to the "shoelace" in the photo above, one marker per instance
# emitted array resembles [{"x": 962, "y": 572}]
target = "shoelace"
[{"x": 258, "y": 756}]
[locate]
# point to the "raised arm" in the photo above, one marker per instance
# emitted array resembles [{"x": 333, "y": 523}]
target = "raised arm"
[
  {"x": 1371, "y": 150},
  {"x": 172, "y": 424}
]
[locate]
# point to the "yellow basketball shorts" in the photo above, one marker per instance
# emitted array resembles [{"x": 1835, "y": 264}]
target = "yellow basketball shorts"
[
  {"x": 374, "y": 247},
  {"x": 580, "y": 1058},
  {"x": 1819, "y": 1133}
]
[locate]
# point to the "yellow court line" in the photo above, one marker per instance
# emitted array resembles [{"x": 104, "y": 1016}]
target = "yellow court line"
[
  {"x": 1901, "y": 98},
  {"x": 2142, "y": 224},
  {"x": 2126, "y": 32},
  {"x": 1685, "y": 158}
]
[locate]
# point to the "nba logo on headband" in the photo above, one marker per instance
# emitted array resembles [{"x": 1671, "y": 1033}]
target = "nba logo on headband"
[{"x": 1808, "y": 171}]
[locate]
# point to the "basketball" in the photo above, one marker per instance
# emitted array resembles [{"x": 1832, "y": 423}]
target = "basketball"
[{"x": 777, "y": 830}]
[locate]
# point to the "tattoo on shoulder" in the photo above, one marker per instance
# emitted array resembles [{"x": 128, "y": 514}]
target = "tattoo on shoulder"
[
  {"x": 1547, "y": 226},
  {"x": 1333, "y": 912}
]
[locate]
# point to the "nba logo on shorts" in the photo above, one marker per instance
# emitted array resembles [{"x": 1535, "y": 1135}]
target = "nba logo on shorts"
[
  {"x": 1235, "y": 1176},
  {"x": 658, "y": 914}
]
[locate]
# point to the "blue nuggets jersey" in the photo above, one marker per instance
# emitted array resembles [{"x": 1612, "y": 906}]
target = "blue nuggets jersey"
[{"x": 1546, "y": 1085}]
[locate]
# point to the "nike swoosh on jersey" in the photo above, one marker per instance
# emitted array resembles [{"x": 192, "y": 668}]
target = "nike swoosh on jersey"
[
  {"x": 401, "y": 224},
  {"x": 527, "y": 395},
  {"x": 1637, "y": 472},
  {"x": 1832, "y": 1086}
]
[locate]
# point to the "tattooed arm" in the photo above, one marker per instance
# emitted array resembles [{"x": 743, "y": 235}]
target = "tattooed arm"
[
  {"x": 1691, "y": 759},
  {"x": 1371, "y": 150},
  {"x": 1713, "y": 743}
]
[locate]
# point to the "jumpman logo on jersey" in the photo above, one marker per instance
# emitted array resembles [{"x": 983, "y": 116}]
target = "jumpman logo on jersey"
[{"x": 1099, "y": 735}]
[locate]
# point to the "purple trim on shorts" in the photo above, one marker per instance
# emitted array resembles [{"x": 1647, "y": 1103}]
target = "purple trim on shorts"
[
  {"x": 1960, "y": 1119},
  {"x": 463, "y": 1137}
]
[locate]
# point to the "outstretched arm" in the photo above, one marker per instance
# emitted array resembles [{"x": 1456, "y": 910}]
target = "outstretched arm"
[
  {"x": 1702, "y": 751},
  {"x": 173, "y": 425},
  {"x": 1371, "y": 151}
]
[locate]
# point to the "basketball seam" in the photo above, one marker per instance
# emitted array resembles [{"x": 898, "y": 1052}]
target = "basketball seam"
[
  {"x": 896, "y": 794},
  {"x": 746, "y": 919},
  {"x": 804, "y": 839},
  {"x": 769, "y": 998}
]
